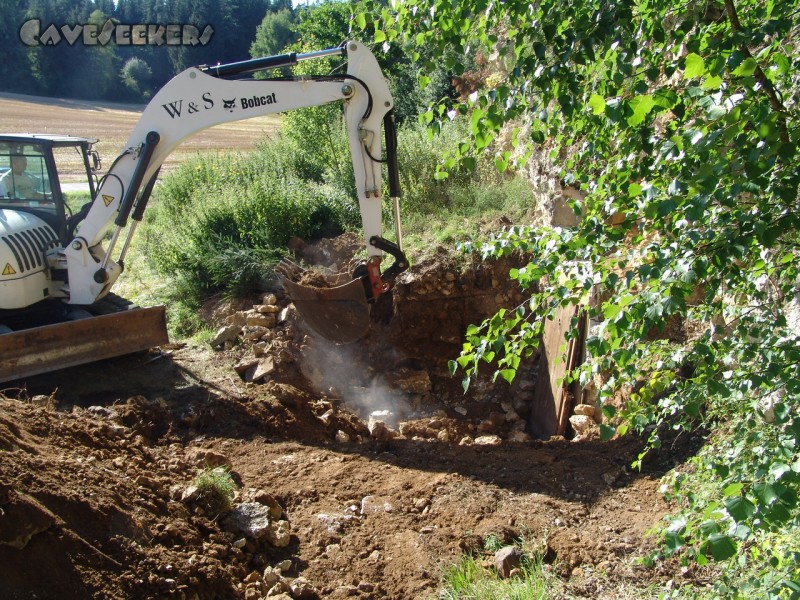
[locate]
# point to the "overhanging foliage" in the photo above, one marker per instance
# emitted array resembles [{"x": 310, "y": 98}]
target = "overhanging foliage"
[{"x": 679, "y": 120}]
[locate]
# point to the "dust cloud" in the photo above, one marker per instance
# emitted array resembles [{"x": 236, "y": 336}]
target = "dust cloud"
[{"x": 340, "y": 371}]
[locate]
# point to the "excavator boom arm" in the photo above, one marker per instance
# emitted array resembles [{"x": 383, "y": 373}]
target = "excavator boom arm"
[{"x": 199, "y": 98}]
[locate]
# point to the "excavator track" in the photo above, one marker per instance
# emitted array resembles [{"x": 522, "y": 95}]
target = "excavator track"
[{"x": 115, "y": 327}]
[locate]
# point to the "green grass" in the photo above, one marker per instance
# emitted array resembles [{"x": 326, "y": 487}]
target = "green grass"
[
  {"x": 469, "y": 580},
  {"x": 473, "y": 212},
  {"x": 74, "y": 200},
  {"x": 216, "y": 489}
]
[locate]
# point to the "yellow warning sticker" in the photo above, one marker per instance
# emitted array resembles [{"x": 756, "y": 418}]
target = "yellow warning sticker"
[
  {"x": 107, "y": 199},
  {"x": 9, "y": 270}
]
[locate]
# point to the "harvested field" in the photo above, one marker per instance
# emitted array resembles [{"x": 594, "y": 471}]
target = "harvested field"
[{"x": 111, "y": 123}]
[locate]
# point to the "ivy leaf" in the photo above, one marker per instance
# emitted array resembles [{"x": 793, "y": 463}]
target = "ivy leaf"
[
  {"x": 733, "y": 489},
  {"x": 778, "y": 470},
  {"x": 361, "y": 20},
  {"x": 673, "y": 542},
  {"x": 508, "y": 374},
  {"x": 607, "y": 432},
  {"x": 747, "y": 67},
  {"x": 380, "y": 36},
  {"x": 641, "y": 106},
  {"x": 781, "y": 64},
  {"x": 766, "y": 493},
  {"x": 740, "y": 508}
]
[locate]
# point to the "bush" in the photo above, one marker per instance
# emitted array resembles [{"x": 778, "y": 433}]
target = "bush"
[
  {"x": 241, "y": 213},
  {"x": 420, "y": 154}
]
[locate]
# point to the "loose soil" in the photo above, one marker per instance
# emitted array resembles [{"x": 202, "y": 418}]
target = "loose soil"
[{"x": 96, "y": 464}]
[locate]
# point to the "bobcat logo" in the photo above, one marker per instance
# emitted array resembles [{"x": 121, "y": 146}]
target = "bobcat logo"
[{"x": 229, "y": 104}]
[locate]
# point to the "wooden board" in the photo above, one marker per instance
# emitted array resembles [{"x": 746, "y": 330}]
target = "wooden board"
[{"x": 553, "y": 401}]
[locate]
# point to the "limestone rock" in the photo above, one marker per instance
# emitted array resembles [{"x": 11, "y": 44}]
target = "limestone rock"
[
  {"x": 225, "y": 334},
  {"x": 380, "y": 430},
  {"x": 253, "y": 333},
  {"x": 582, "y": 425},
  {"x": 257, "y": 319},
  {"x": 371, "y": 505},
  {"x": 204, "y": 457},
  {"x": 239, "y": 319},
  {"x": 586, "y": 410},
  {"x": 251, "y": 519},
  {"x": 190, "y": 494},
  {"x": 268, "y": 500},
  {"x": 245, "y": 365},
  {"x": 507, "y": 559},
  {"x": 264, "y": 367},
  {"x": 278, "y": 534},
  {"x": 301, "y": 588},
  {"x": 488, "y": 440},
  {"x": 412, "y": 382},
  {"x": 269, "y": 298},
  {"x": 268, "y": 309}
]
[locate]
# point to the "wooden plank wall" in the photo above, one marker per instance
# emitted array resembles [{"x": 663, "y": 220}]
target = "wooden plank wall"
[{"x": 553, "y": 401}]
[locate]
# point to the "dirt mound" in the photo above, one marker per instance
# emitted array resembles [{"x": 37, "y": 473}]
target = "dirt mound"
[{"x": 362, "y": 470}]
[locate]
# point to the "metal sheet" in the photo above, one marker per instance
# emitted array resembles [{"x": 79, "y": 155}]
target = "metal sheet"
[{"x": 43, "y": 349}]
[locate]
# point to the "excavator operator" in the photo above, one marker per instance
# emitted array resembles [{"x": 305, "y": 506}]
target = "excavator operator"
[{"x": 17, "y": 183}]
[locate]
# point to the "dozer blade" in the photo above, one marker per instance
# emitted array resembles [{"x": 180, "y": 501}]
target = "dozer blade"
[
  {"x": 51, "y": 347},
  {"x": 339, "y": 313}
]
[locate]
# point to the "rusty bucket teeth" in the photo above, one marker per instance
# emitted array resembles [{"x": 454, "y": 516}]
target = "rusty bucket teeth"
[{"x": 337, "y": 308}]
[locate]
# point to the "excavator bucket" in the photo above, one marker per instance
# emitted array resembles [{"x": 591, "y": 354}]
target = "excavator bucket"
[
  {"x": 50, "y": 347},
  {"x": 335, "y": 306}
]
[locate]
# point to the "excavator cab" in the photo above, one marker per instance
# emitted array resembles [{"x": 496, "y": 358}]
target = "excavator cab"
[
  {"x": 31, "y": 167},
  {"x": 38, "y": 332}
]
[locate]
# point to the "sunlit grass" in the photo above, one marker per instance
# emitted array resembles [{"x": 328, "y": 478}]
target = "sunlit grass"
[{"x": 470, "y": 580}]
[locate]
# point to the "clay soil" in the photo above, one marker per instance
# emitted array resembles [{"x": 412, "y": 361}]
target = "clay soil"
[{"x": 95, "y": 462}]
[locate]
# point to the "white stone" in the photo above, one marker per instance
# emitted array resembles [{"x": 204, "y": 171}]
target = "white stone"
[
  {"x": 225, "y": 334},
  {"x": 488, "y": 440}
]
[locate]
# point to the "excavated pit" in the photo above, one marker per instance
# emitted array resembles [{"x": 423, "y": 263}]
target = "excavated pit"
[
  {"x": 398, "y": 373},
  {"x": 372, "y": 468}
]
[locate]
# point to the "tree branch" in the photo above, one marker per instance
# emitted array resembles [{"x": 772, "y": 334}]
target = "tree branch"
[{"x": 761, "y": 77}]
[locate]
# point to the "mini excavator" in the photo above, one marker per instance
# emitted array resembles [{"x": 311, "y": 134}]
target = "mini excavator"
[{"x": 57, "y": 269}]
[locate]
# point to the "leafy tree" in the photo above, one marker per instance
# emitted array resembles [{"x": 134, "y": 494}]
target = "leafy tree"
[
  {"x": 323, "y": 25},
  {"x": 136, "y": 75},
  {"x": 98, "y": 75},
  {"x": 273, "y": 34},
  {"x": 14, "y": 69},
  {"x": 679, "y": 121}
]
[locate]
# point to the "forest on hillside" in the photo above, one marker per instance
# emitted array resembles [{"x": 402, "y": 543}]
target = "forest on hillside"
[{"x": 46, "y": 51}]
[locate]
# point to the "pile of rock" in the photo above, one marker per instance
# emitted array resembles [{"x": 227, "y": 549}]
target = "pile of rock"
[
  {"x": 254, "y": 328},
  {"x": 255, "y": 525},
  {"x": 254, "y": 325},
  {"x": 585, "y": 421}
]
